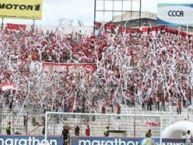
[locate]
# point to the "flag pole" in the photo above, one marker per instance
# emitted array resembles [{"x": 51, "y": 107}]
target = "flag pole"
[
  {"x": 33, "y": 25},
  {"x": 2, "y": 22},
  {"x": 140, "y": 8},
  {"x": 94, "y": 15}
]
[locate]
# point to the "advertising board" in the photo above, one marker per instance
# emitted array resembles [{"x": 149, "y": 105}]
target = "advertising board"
[
  {"x": 25, "y": 9},
  {"x": 175, "y": 14},
  {"x": 28, "y": 140},
  {"x": 121, "y": 141}
]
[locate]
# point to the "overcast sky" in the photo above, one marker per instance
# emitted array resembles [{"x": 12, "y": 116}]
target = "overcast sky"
[{"x": 53, "y": 10}]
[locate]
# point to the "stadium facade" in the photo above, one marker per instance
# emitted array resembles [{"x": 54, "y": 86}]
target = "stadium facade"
[{"x": 132, "y": 19}]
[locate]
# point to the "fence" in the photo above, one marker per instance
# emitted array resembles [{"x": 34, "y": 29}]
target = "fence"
[{"x": 33, "y": 124}]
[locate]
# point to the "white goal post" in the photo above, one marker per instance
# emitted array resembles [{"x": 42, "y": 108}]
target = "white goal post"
[{"x": 132, "y": 124}]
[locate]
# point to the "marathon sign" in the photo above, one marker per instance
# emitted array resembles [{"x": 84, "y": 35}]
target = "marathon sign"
[
  {"x": 122, "y": 141},
  {"x": 27, "y": 9},
  {"x": 29, "y": 140},
  {"x": 175, "y": 14}
]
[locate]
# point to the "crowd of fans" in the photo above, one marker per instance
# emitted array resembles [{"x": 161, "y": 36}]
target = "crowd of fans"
[{"x": 146, "y": 70}]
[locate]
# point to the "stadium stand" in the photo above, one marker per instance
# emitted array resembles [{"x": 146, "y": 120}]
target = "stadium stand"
[{"x": 151, "y": 70}]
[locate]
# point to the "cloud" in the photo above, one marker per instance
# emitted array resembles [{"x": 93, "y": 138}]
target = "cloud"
[{"x": 70, "y": 9}]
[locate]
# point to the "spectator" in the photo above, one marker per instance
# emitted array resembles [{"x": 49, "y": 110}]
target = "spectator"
[
  {"x": 148, "y": 140},
  {"x": 25, "y": 122},
  {"x": 103, "y": 109},
  {"x": 188, "y": 138},
  {"x": 106, "y": 132},
  {"x": 179, "y": 106},
  {"x": 87, "y": 131},
  {"x": 66, "y": 135},
  {"x": 43, "y": 131},
  {"x": 8, "y": 129},
  {"x": 148, "y": 134},
  {"x": 157, "y": 66},
  {"x": 77, "y": 130}
]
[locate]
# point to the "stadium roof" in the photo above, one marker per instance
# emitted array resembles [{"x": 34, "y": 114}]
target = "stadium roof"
[{"x": 133, "y": 15}]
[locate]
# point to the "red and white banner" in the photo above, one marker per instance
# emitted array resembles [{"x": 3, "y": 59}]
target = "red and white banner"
[
  {"x": 7, "y": 86},
  {"x": 152, "y": 123},
  {"x": 61, "y": 67},
  {"x": 110, "y": 28},
  {"x": 52, "y": 67},
  {"x": 15, "y": 26}
]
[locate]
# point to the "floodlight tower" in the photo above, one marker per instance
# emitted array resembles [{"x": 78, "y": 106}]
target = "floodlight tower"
[{"x": 106, "y": 10}]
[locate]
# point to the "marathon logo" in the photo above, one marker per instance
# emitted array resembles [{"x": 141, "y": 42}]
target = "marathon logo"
[
  {"x": 107, "y": 142},
  {"x": 22, "y": 7},
  {"x": 121, "y": 142},
  {"x": 26, "y": 141},
  {"x": 124, "y": 141}
]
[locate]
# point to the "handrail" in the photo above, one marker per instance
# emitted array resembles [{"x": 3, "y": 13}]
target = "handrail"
[{"x": 35, "y": 129}]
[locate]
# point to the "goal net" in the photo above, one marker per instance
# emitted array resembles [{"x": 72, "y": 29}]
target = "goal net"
[{"x": 120, "y": 125}]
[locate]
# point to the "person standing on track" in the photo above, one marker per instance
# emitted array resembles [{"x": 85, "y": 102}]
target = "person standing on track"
[
  {"x": 66, "y": 135},
  {"x": 8, "y": 129},
  {"x": 87, "y": 131},
  {"x": 188, "y": 138}
]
